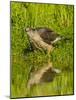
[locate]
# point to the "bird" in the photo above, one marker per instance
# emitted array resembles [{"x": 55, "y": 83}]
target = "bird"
[{"x": 43, "y": 38}]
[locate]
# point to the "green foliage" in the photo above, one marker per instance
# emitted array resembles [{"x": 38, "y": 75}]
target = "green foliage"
[{"x": 60, "y": 19}]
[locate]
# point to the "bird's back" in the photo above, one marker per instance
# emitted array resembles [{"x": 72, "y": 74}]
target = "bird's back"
[{"x": 47, "y": 34}]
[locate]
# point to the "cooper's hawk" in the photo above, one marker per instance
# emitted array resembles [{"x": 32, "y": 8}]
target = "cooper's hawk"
[{"x": 43, "y": 38}]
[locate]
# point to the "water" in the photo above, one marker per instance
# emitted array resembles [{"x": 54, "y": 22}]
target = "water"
[{"x": 33, "y": 75}]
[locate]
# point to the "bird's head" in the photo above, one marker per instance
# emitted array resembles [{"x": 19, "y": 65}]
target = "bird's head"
[{"x": 28, "y": 29}]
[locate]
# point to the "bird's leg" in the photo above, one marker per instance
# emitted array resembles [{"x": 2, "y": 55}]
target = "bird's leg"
[{"x": 50, "y": 49}]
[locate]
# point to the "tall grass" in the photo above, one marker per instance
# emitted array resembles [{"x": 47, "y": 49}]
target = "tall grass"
[{"x": 60, "y": 19}]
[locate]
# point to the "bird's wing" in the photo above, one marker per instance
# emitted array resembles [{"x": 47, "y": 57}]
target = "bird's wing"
[
  {"x": 44, "y": 29},
  {"x": 47, "y": 34}
]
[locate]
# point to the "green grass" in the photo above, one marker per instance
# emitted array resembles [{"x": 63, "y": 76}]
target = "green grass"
[{"x": 60, "y": 19}]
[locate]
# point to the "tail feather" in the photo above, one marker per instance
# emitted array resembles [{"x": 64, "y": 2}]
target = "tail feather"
[
  {"x": 65, "y": 38},
  {"x": 56, "y": 70},
  {"x": 60, "y": 38}
]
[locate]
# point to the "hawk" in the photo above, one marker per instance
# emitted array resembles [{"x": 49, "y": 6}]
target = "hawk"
[{"x": 43, "y": 38}]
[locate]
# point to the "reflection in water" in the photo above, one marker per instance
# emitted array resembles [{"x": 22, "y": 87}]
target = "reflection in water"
[
  {"x": 45, "y": 74},
  {"x": 35, "y": 74}
]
